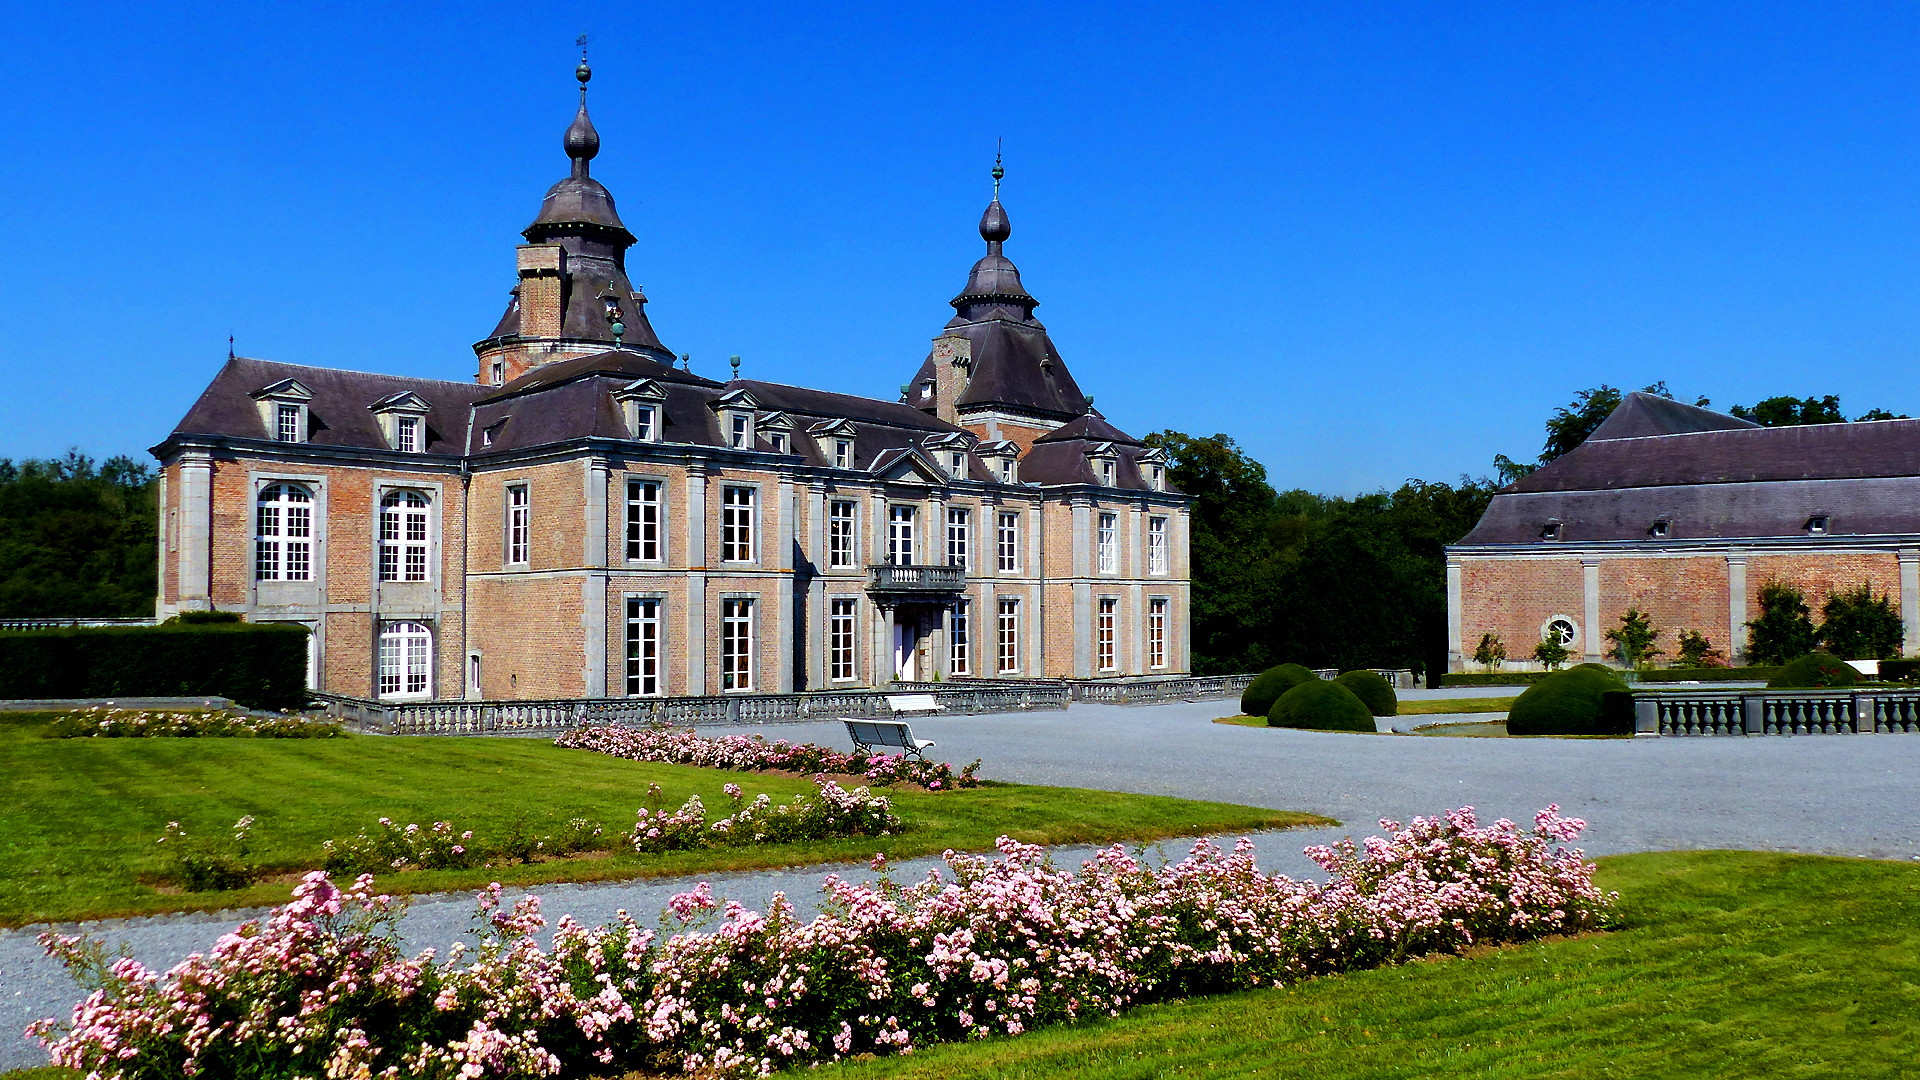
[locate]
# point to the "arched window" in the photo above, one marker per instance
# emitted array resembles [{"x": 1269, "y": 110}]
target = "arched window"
[
  {"x": 406, "y": 659},
  {"x": 283, "y": 534},
  {"x": 403, "y": 536}
]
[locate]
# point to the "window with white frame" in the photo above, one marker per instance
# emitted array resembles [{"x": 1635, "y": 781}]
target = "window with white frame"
[
  {"x": 643, "y": 521},
  {"x": 736, "y": 644},
  {"x": 1008, "y": 470},
  {"x": 1157, "y": 477},
  {"x": 519, "y": 520},
  {"x": 1104, "y": 632},
  {"x": 736, "y": 524},
  {"x": 740, "y": 431},
  {"x": 840, "y": 535},
  {"x": 644, "y": 427},
  {"x": 406, "y": 659},
  {"x": 959, "y": 535},
  {"x": 1107, "y": 543},
  {"x": 960, "y": 660},
  {"x": 283, "y": 534},
  {"x": 1156, "y": 545},
  {"x": 900, "y": 519},
  {"x": 1007, "y": 537},
  {"x": 406, "y": 434},
  {"x": 778, "y": 440},
  {"x": 843, "y": 453},
  {"x": 957, "y": 464},
  {"x": 286, "y": 423},
  {"x": 840, "y": 638},
  {"x": 643, "y": 646},
  {"x": 1157, "y": 632},
  {"x": 1009, "y": 636},
  {"x": 499, "y": 373},
  {"x": 403, "y": 536},
  {"x": 1106, "y": 472}
]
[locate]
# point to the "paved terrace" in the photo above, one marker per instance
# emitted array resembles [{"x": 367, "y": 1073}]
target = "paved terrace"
[{"x": 1838, "y": 794}]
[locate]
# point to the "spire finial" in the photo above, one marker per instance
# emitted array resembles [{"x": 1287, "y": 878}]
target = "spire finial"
[
  {"x": 735, "y": 361},
  {"x": 583, "y": 72},
  {"x": 582, "y": 141},
  {"x": 229, "y": 346},
  {"x": 998, "y": 172}
]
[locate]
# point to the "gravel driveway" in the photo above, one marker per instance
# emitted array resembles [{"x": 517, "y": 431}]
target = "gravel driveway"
[{"x": 1835, "y": 794}]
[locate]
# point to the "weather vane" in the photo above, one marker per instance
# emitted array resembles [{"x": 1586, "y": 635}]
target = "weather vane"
[{"x": 998, "y": 172}]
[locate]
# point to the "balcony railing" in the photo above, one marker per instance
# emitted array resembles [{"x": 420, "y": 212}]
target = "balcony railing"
[{"x": 916, "y": 579}]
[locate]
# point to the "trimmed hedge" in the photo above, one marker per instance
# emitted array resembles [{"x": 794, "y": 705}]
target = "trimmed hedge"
[
  {"x": 1758, "y": 673},
  {"x": 1373, "y": 690},
  {"x": 1321, "y": 706},
  {"x": 1814, "y": 670},
  {"x": 1265, "y": 689},
  {"x": 1571, "y": 702},
  {"x": 260, "y": 665},
  {"x": 1899, "y": 670}
]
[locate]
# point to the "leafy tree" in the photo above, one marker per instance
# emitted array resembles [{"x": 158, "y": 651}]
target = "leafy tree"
[
  {"x": 1696, "y": 650},
  {"x": 1788, "y": 411},
  {"x": 1550, "y": 652},
  {"x": 1491, "y": 651},
  {"x": 1571, "y": 424},
  {"x": 1784, "y": 631},
  {"x": 1857, "y": 625},
  {"x": 1880, "y": 414},
  {"x": 77, "y": 540},
  {"x": 1633, "y": 640}
]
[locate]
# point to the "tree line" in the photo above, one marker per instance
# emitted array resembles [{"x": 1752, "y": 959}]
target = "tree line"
[{"x": 76, "y": 539}]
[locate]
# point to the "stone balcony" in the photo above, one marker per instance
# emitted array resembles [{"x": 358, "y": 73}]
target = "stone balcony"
[{"x": 916, "y": 580}]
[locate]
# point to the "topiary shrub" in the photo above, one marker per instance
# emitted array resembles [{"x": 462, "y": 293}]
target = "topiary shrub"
[
  {"x": 1373, "y": 690},
  {"x": 1266, "y": 687},
  {"x": 1321, "y": 706},
  {"x": 1570, "y": 702},
  {"x": 1811, "y": 670}
]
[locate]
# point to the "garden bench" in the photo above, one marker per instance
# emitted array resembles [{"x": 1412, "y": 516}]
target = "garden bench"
[
  {"x": 913, "y": 704},
  {"x": 867, "y": 734}
]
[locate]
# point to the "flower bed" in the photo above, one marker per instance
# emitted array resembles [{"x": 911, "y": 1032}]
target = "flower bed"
[
  {"x": 831, "y": 811},
  {"x": 106, "y": 722},
  {"x": 751, "y": 753},
  {"x": 1002, "y": 945}
]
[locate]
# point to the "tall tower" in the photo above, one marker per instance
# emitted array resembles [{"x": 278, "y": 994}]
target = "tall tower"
[
  {"x": 993, "y": 369},
  {"x": 573, "y": 296}
]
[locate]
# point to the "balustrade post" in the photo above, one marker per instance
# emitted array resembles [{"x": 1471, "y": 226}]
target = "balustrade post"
[
  {"x": 1753, "y": 711},
  {"x": 1646, "y": 715},
  {"x": 1863, "y": 723}
]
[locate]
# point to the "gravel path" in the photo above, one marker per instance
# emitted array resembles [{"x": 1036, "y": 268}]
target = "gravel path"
[{"x": 1831, "y": 794}]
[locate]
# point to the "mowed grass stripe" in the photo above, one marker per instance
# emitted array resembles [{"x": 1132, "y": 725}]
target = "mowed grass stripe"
[{"x": 80, "y": 818}]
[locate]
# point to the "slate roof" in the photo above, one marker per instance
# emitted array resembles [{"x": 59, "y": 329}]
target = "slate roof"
[
  {"x": 1718, "y": 478},
  {"x": 339, "y": 411}
]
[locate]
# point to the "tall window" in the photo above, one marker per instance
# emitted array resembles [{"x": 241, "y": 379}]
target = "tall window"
[
  {"x": 1103, "y": 630},
  {"x": 403, "y": 536},
  {"x": 1006, "y": 470},
  {"x": 840, "y": 538},
  {"x": 517, "y": 523},
  {"x": 900, "y": 535},
  {"x": 643, "y": 646},
  {"x": 283, "y": 534},
  {"x": 778, "y": 440},
  {"x": 286, "y": 423},
  {"x": 959, "y": 535},
  {"x": 643, "y": 423},
  {"x": 407, "y": 428},
  {"x": 1009, "y": 543},
  {"x": 957, "y": 465},
  {"x": 406, "y": 652},
  {"x": 1156, "y": 545},
  {"x": 643, "y": 521},
  {"x": 843, "y": 453},
  {"x": 1106, "y": 473},
  {"x": 1009, "y": 636},
  {"x": 840, "y": 639},
  {"x": 740, "y": 431},
  {"x": 1109, "y": 544},
  {"x": 736, "y": 524},
  {"x": 1157, "y": 632},
  {"x": 499, "y": 373},
  {"x": 961, "y": 638},
  {"x": 736, "y": 645}
]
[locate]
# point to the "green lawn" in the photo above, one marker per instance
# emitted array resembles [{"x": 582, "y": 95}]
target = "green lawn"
[
  {"x": 1456, "y": 705},
  {"x": 1731, "y": 964},
  {"x": 81, "y": 815}
]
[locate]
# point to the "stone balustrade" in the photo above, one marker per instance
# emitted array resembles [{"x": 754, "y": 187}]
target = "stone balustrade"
[{"x": 1777, "y": 712}]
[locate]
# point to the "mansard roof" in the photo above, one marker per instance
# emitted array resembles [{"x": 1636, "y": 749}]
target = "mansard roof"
[
  {"x": 1092, "y": 427},
  {"x": 1722, "y": 479},
  {"x": 339, "y": 412}
]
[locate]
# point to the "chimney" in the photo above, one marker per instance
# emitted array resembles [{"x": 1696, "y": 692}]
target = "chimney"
[
  {"x": 540, "y": 270},
  {"x": 952, "y": 369}
]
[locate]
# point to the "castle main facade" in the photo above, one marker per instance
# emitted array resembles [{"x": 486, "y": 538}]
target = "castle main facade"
[{"x": 589, "y": 519}]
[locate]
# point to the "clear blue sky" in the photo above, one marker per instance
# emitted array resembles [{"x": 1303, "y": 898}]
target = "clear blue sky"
[{"x": 1371, "y": 242}]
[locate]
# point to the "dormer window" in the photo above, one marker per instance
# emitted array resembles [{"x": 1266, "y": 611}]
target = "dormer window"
[
  {"x": 739, "y": 430},
  {"x": 926, "y": 391},
  {"x": 1658, "y": 530},
  {"x": 778, "y": 440},
  {"x": 644, "y": 406},
  {"x": 1156, "y": 477},
  {"x": 407, "y": 435},
  {"x": 645, "y": 424},
  {"x": 1817, "y": 525},
  {"x": 1106, "y": 473},
  {"x": 286, "y": 423},
  {"x": 957, "y": 465},
  {"x": 403, "y": 420},
  {"x": 843, "y": 453},
  {"x": 284, "y": 411},
  {"x": 1008, "y": 471},
  {"x": 1551, "y": 531}
]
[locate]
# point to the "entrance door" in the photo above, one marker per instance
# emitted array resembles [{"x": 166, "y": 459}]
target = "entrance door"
[{"x": 906, "y": 638}]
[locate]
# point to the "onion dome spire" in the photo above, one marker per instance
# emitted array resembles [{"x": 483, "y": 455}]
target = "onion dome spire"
[
  {"x": 994, "y": 226},
  {"x": 582, "y": 141},
  {"x": 995, "y": 282}
]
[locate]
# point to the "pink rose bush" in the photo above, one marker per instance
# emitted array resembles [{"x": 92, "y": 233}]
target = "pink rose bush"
[
  {"x": 831, "y": 811},
  {"x": 752, "y": 753},
  {"x": 391, "y": 847},
  {"x": 997, "y": 946}
]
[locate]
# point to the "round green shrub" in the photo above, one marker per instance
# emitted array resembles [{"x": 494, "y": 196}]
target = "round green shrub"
[
  {"x": 1811, "y": 670},
  {"x": 1321, "y": 706},
  {"x": 1566, "y": 703},
  {"x": 1266, "y": 687},
  {"x": 1373, "y": 690}
]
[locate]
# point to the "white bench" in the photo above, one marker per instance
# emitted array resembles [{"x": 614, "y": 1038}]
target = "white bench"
[
  {"x": 913, "y": 704},
  {"x": 867, "y": 734}
]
